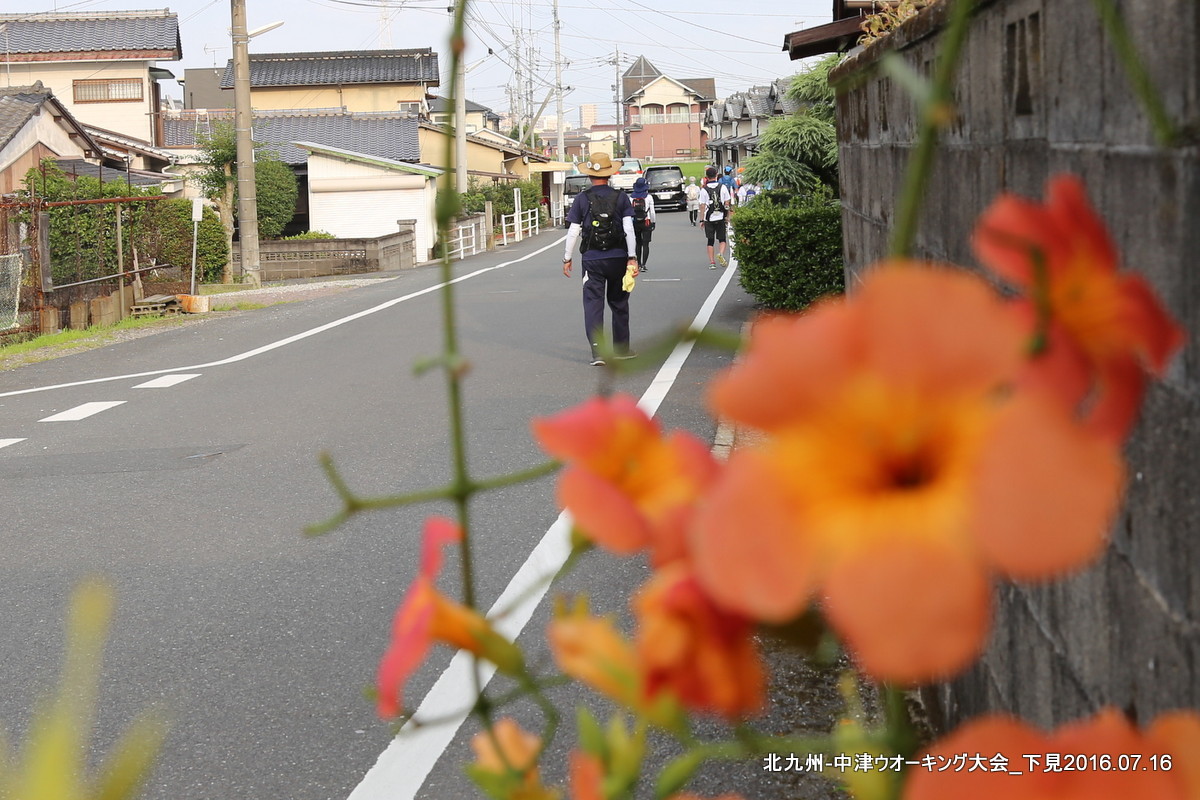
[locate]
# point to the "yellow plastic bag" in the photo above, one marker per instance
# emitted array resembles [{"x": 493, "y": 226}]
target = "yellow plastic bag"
[{"x": 627, "y": 282}]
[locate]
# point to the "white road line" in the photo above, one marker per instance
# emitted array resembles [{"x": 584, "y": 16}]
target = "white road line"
[
  {"x": 403, "y": 767},
  {"x": 7, "y": 442},
  {"x": 82, "y": 412},
  {"x": 167, "y": 381},
  {"x": 266, "y": 348}
]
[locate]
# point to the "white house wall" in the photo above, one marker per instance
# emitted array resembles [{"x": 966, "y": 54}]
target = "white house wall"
[
  {"x": 44, "y": 130},
  {"x": 351, "y": 200},
  {"x": 130, "y": 118}
]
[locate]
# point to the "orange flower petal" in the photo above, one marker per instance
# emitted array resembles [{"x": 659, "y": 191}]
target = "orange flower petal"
[
  {"x": 1178, "y": 733},
  {"x": 604, "y": 513},
  {"x": 586, "y": 777},
  {"x": 1046, "y": 493},
  {"x": 749, "y": 552},
  {"x": 787, "y": 364},
  {"x": 410, "y": 642},
  {"x": 598, "y": 434},
  {"x": 909, "y": 613},
  {"x": 438, "y": 532},
  {"x": 686, "y": 645},
  {"x": 591, "y": 650},
  {"x": 937, "y": 327},
  {"x": 1157, "y": 334}
]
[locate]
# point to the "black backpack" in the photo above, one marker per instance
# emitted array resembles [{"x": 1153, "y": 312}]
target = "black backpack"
[
  {"x": 713, "y": 190},
  {"x": 602, "y": 226},
  {"x": 639, "y": 213}
]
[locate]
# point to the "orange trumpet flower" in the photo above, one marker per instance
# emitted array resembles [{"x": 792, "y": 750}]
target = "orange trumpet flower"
[
  {"x": 901, "y": 472},
  {"x": 426, "y": 616},
  {"x": 1099, "y": 331},
  {"x": 627, "y": 486}
]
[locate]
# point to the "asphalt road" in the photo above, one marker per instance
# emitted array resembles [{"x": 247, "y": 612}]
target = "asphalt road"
[{"x": 190, "y": 496}]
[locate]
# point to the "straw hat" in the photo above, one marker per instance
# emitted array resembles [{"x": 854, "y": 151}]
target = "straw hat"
[{"x": 599, "y": 165}]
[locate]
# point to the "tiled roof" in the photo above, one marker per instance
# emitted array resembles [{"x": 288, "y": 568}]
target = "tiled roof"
[
  {"x": 441, "y": 105},
  {"x": 387, "y": 135},
  {"x": 89, "y": 32},
  {"x": 640, "y": 73},
  {"x": 17, "y": 105},
  {"x": 138, "y": 177},
  {"x": 705, "y": 87},
  {"x": 339, "y": 67}
]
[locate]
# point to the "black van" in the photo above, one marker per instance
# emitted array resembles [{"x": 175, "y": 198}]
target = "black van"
[{"x": 665, "y": 183}]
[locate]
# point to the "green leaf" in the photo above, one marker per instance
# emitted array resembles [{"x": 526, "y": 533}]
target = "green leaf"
[
  {"x": 675, "y": 775},
  {"x": 130, "y": 762},
  {"x": 591, "y": 735}
]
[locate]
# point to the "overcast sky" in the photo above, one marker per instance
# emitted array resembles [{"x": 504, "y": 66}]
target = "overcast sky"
[{"x": 682, "y": 38}]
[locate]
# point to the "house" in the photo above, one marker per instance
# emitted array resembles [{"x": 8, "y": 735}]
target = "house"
[
  {"x": 490, "y": 155},
  {"x": 355, "y": 195},
  {"x": 202, "y": 88},
  {"x": 101, "y": 66},
  {"x": 386, "y": 81},
  {"x": 35, "y": 125},
  {"x": 736, "y": 122},
  {"x": 478, "y": 117},
  {"x": 662, "y": 115}
]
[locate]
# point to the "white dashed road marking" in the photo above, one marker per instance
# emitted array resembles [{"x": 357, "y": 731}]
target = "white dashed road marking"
[
  {"x": 167, "y": 381},
  {"x": 7, "y": 442},
  {"x": 82, "y": 412}
]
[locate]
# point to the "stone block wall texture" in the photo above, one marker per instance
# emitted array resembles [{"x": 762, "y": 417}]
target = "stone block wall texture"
[{"x": 1041, "y": 91}]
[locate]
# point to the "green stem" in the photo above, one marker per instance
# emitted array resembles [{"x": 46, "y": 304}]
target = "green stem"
[
  {"x": 933, "y": 116},
  {"x": 1135, "y": 67},
  {"x": 900, "y": 735}
]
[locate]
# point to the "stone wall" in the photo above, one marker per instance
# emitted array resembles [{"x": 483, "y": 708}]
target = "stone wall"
[{"x": 1041, "y": 91}]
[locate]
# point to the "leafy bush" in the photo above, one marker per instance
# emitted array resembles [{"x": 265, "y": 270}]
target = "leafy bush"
[
  {"x": 277, "y": 190},
  {"x": 309, "y": 235},
  {"x": 790, "y": 254},
  {"x": 166, "y": 236},
  {"x": 83, "y": 242},
  {"x": 501, "y": 195}
]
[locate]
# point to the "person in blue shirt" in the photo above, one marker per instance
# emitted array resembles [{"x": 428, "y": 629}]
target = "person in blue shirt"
[{"x": 603, "y": 269}]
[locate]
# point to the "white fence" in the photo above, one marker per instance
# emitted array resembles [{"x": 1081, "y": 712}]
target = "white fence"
[
  {"x": 465, "y": 240},
  {"x": 520, "y": 224}
]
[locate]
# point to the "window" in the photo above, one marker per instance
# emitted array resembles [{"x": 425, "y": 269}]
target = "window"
[
  {"x": 409, "y": 108},
  {"x": 119, "y": 90}
]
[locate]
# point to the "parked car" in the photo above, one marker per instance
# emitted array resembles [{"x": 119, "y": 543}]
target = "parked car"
[
  {"x": 665, "y": 182},
  {"x": 573, "y": 185},
  {"x": 630, "y": 171}
]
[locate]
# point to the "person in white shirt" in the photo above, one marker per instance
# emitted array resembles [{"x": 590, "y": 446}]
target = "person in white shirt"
[
  {"x": 714, "y": 208},
  {"x": 693, "y": 200}
]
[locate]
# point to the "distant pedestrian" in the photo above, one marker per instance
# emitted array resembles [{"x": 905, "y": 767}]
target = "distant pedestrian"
[
  {"x": 693, "y": 200},
  {"x": 602, "y": 217},
  {"x": 729, "y": 182},
  {"x": 644, "y": 221},
  {"x": 714, "y": 207}
]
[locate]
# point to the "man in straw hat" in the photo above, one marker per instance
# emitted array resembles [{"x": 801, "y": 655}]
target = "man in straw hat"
[{"x": 603, "y": 218}]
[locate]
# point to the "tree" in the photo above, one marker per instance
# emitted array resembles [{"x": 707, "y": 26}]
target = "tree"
[
  {"x": 276, "y": 192},
  {"x": 799, "y": 152}
]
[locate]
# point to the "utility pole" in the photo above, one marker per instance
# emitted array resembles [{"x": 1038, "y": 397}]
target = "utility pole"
[
  {"x": 243, "y": 129},
  {"x": 460, "y": 123},
  {"x": 559, "y": 144},
  {"x": 617, "y": 99}
]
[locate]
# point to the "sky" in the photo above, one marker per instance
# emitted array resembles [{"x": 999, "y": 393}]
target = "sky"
[{"x": 682, "y": 38}]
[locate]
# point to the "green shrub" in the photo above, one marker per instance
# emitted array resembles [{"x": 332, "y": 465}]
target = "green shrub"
[
  {"x": 501, "y": 195},
  {"x": 277, "y": 190},
  {"x": 790, "y": 255},
  {"x": 309, "y": 235},
  {"x": 166, "y": 236}
]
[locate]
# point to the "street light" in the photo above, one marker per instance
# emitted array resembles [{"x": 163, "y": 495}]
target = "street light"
[{"x": 243, "y": 116}]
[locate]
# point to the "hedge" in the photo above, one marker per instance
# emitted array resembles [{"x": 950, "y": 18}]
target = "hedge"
[{"x": 790, "y": 255}]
